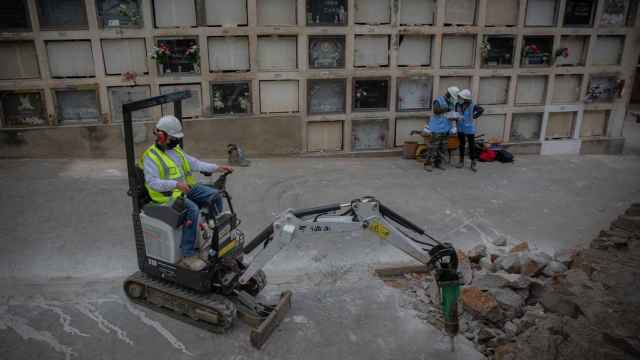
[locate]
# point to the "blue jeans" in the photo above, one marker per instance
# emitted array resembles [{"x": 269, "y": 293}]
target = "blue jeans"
[{"x": 199, "y": 195}]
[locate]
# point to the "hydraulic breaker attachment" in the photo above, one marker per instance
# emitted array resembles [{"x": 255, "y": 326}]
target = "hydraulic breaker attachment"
[{"x": 263, "y": 319}]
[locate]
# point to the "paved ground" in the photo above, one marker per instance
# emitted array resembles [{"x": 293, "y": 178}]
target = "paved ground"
[{"x": 66, "y": 247}]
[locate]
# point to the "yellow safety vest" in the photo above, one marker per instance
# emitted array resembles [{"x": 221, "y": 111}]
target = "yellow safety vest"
[{"x": 168, "y": 170}]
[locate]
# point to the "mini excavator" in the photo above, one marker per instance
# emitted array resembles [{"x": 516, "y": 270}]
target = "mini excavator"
[{"x": 227, "y": 287}]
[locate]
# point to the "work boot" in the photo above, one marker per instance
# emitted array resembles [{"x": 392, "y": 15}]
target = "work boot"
[
  {"x": 428, "y": 166},
  {"x": 473, "y": 166},
  {"x": 439, "y": 165},
  {"x": 460, "y": 165},
  {"x": 193, "y": 263}
]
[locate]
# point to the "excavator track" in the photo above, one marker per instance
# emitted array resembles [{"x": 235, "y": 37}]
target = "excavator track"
[{"x": 211, "y": 312}]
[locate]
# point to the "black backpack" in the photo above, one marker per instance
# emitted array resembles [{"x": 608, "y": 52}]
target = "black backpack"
[{"x": 504, "y": 156}]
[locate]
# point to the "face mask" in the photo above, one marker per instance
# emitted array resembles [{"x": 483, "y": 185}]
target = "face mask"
[{"x": 173, "y": 143}]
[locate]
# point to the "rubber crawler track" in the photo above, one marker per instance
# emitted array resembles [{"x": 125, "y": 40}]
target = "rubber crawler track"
[{"x": 188, "y": 301}]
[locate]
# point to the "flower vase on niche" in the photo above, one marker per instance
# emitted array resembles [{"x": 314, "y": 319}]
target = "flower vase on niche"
[{"x": 535, "y": 59}]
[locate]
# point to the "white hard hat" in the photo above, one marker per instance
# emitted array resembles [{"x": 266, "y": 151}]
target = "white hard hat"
[
  {"x": 453, "y": 91},
  {"x": 465, "y": 94},
  {"x": 171, "y": 125}
]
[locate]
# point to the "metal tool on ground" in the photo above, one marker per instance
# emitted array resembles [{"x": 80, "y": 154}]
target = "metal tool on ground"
[
  {"x": 237, "y": 156},
  {"x": 227, "y": 287}
]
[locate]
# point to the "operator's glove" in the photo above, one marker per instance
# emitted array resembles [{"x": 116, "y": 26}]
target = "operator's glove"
[
  {"x": 454, "y": 130},
  {"x": 426, "y": 130}
]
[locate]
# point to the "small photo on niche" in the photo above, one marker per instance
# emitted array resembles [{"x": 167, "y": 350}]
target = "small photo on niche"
[
  {"x": 229, "y": 98},
  {"x": 370, "y": 94},
  {"x": 326, "y": 52}
]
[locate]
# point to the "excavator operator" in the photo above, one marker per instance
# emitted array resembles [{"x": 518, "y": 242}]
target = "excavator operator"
[{"x": 168, "y": 173}]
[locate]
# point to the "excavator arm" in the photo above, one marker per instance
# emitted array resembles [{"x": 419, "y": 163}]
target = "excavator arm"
[{"x": 364, "y": 215}]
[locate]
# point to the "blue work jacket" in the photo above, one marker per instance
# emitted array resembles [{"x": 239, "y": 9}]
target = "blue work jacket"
[
  {"x": 467, "y": 124},
  {"x": 440, "y": 123}
]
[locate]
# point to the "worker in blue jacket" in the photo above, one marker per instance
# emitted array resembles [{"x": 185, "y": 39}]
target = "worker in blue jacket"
[
  {"x": 467, "y": 128},
  {"x": 439, "y": 127}
]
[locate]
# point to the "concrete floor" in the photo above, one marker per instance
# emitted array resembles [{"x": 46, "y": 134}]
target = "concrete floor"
[{"x": 67, "y": 245}]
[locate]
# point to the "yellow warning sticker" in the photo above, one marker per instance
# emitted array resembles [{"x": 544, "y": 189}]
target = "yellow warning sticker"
[{"x": 377, "y": 227}]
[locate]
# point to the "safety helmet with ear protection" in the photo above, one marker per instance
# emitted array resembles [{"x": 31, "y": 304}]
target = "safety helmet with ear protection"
[
  {"x": 170, "y": 125},
  {"x": 465, "y": 94},
  {"x": 453, "y": 91}
]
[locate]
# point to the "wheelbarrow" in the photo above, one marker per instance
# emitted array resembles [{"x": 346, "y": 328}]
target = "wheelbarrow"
[{"x": 453, "y": 143}]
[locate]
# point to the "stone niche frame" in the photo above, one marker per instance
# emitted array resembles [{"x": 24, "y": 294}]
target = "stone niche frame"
[
  {"x": 231, "y": 98},
  {"x": 327, "y": 12},
  {"x": 417, "y": 12},
  {"x": 177, "y": 61},
  {"x": 112, "y": 15},
  {"x": 458, "y": 51},
  {"x": 269, "y": 104},
  {"x": 492, "y": 126},
  {"x": 84, "y": 116},
  {"x": 502, "y": 12},
  {"x": 566, "y": 89},
  {"x": 191, "y": 107},
  {"x": 70, "y": 59},
  {"x": 77, "y": 20},
  {"x": 611, "y": 50},
  {"x": 119, "y": 95},
  {"x": 223, "y": 52},
  {"x": 594, "y": 123},
  {"x": 379, "y": 86},
  {"x": 575, "y": 13},
  {"x": 602, "y": 88},
  {"x": 325, "y": 136},
  {"x": 410, "y": 50},
  {"x": 555, "y": 130},
  {"x": 494, "y": 90},
  {"x": 339, "y": 105},
  {"x": 19, "y": 60},
  {"x": 372, "y": 12},
  {"x": 277, "y": 52},
  {"x": 214, "y": 13},
  {"x": 525, "y": 86},
  {"x": 518, "y": 134},
  {"x": 425, "y": 82},
  {"x": 369, "y": 134},
  {"x": 134, "y": 50},
  {"x": 31, "y": 115},
  {"x": 404, "y": 126},
  {"x": 497, "y": 51},
  {"x": 183, "y": 16},
  {"x": 577, "y": 47},
  {"x": 277, "y": 12},
  {"x": 14, "y": 16},
  {"x": 541, "y": 13},
  {"x": 544, "y": 56},
  {"x": 371, "y": 51},
  {"x": 615, "y": 13},
  {"x": 326, "y": 52},
  {"x": 461, "y": 12}
]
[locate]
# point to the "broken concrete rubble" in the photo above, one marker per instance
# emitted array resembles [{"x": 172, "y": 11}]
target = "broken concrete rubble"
[
  {"x": 510, "y": 263},
  {"x": 523, "y": 246},
  {"x": 481, "y": 304},
  {"x": 554, "y": 268},
  {"x": 477, "y": 252},
  {"x": 565, "y": 256},
  {"x": 499, "y": 241},
  {"x": 578, "y": 304}
]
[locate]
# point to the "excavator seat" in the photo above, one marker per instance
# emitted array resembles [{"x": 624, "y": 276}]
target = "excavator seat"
[{"x": 166, "y": 214}]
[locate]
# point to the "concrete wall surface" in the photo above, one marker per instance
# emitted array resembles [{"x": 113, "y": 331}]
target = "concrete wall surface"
[{"x": 204, "y": 137}]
